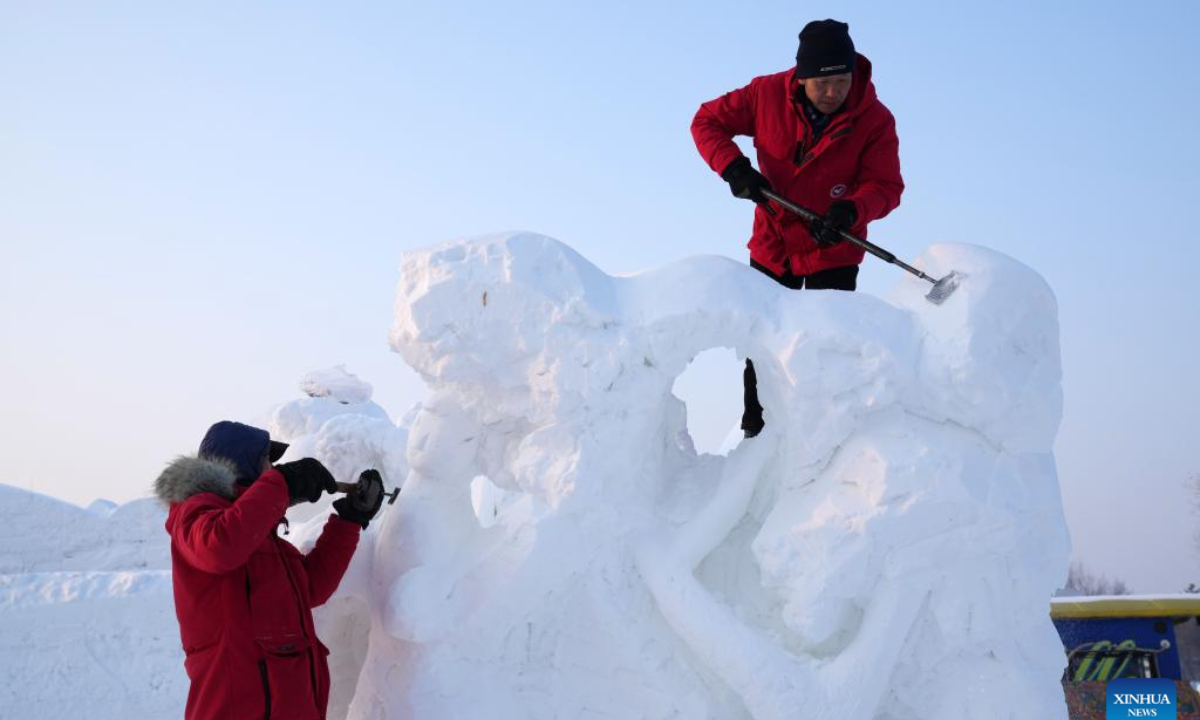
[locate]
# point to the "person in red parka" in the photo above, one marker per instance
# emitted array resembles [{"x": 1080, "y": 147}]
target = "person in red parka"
[
  {"x": 243, "y": 595},
  {"x": 824, "y": 141}
]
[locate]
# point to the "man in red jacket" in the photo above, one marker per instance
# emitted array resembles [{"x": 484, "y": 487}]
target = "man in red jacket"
[
  {"x": 825, "y": 142},
  {"x": 243, "y": 596}
]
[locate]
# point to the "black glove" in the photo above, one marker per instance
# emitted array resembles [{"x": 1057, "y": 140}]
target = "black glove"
[
  {"x": 841, "y": 217},
  {"x": 307, "y": 479},
  {"x": 362, "y": 505},
  {"x": 746, "y": 182}
]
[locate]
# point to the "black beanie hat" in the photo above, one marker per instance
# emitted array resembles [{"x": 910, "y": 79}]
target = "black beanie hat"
[{"x": 825, "y": 49}]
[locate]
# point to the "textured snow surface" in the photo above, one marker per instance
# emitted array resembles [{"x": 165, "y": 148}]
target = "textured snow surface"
[
  {"x": 87, "y": 621},
  {"x": 884, "y": 550}
]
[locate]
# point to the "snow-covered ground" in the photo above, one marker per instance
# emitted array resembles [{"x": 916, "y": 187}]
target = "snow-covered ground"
[
  {"x": 885, "y": 549},
  {"x": 87, "y": 624}
]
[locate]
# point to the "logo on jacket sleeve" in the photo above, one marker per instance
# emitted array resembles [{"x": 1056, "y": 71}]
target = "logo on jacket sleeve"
[
  {"x": 837, "y": 190},
  {"x": 1141, "y": 697}
]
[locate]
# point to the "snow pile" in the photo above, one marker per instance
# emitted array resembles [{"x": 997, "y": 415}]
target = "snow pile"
[
  {"x": 42, "y": 534},
  {"x": 338, "y": 384},
  {"x": 87, "y": 621},
  {"x": 885, "y": 548}
]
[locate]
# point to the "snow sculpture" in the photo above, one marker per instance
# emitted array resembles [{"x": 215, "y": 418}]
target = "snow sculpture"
[
  {"x": 340, "y": 425},
  {"x": 885, "y": 549},
  {"x": 336, "y": 383}
]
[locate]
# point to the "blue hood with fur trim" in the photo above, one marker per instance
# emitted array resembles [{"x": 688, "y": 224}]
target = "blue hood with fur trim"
[{"x": 244, "y": 446}]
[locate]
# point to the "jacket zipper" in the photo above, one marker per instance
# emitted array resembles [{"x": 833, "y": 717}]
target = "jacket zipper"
[
  {"x": 826, "y": 140},
  {"x": 799, "y": 157},
  {"x": 262, "y": 664},
  {"x": 802, "y": 156},
  {"x": 840, "y": 133},
  {"x": 262, "y": 670}
]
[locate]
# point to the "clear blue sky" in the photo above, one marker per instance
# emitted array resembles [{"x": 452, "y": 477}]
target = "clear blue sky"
[{"x": 199, "y": 203}]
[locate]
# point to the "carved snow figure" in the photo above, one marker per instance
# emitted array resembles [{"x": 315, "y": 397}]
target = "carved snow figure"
[{"x": 885, "y": 549}]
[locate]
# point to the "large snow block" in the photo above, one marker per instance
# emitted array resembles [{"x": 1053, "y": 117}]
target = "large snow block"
[{"x": 886, "y": 548}]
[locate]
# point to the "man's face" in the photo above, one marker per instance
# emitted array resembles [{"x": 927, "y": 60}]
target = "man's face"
[{"x": 828, "y": 93}]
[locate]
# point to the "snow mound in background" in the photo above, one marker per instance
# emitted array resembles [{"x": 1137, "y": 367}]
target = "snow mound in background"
[
  {"x": 338, "y": 384},
  {"x": 43, "y": 534},
  {"x": 886, "y": 548},
  {"x": 87, "y": 622}
]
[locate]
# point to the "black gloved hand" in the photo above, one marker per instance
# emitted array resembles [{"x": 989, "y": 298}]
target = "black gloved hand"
[
  {"x": 841, "y": 217},
  {"x": 746, "y": 182},
  {"x": 307, "y": 479},
  {"x": 361, "y": 506}
]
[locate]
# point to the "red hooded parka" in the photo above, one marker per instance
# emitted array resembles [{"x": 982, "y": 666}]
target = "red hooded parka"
[
  {"x": 856, "y": 158},
  {"x": 244, "y": 597}
]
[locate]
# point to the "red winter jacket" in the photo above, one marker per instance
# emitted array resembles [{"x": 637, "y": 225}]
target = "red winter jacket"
[
  {"x": 244, "y": 597},
  {"x": 857, "y": 158}
]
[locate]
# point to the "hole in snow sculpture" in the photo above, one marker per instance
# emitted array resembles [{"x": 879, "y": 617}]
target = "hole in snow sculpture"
[
  {"x": 711, "y": 391},
  {"x": 885, "y": 548}
]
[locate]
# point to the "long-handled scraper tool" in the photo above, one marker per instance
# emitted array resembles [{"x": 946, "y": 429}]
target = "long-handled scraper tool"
[{"x": 937, "y": 294}]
